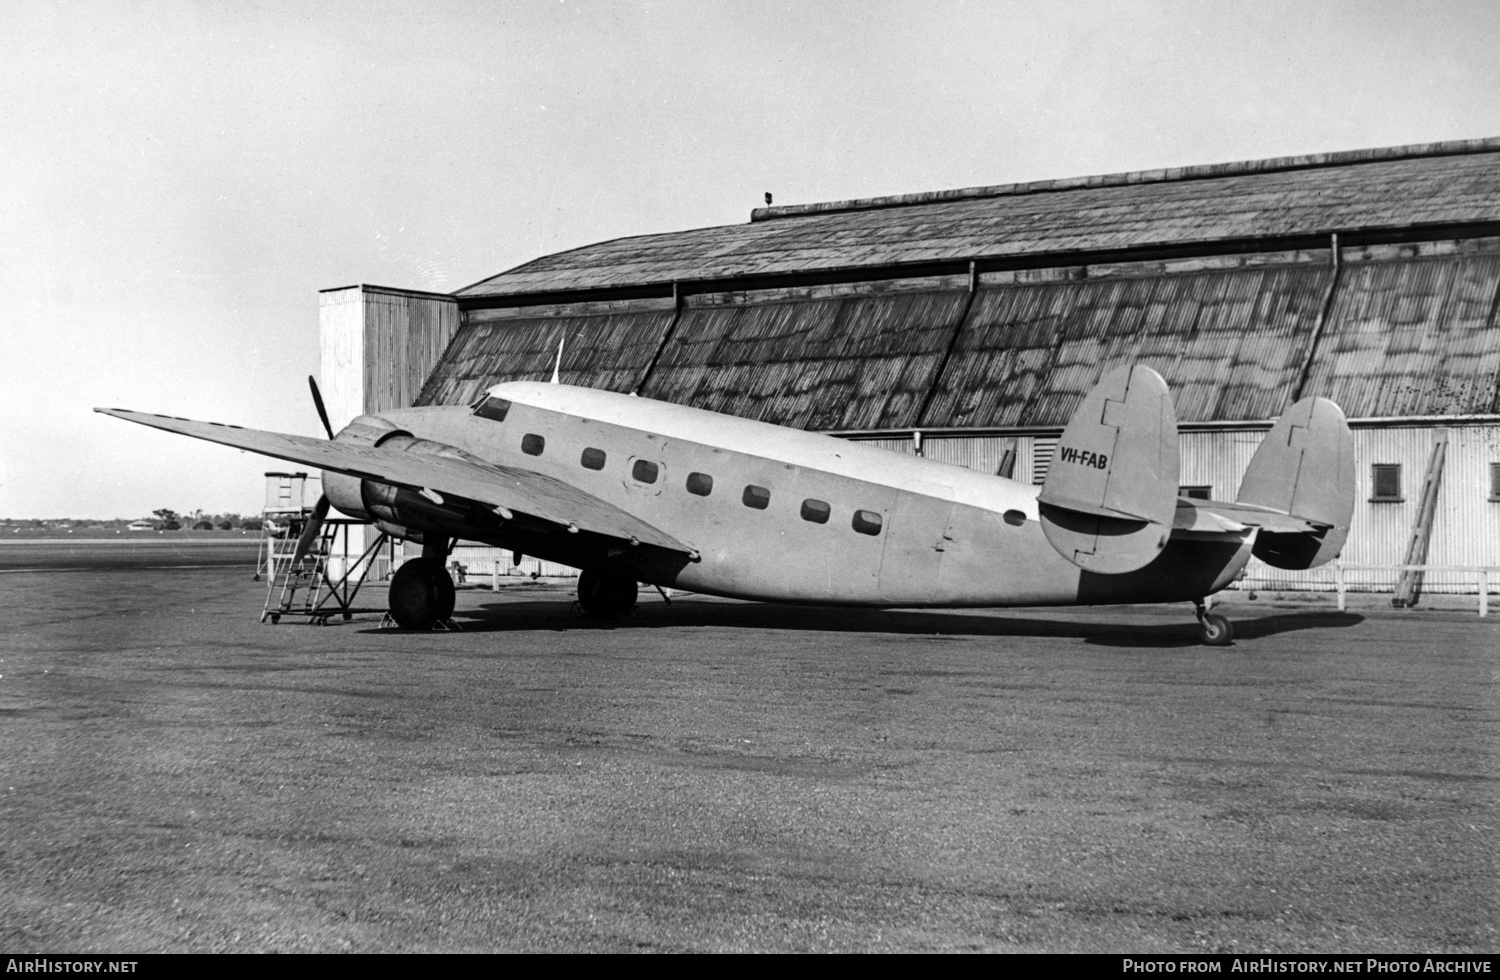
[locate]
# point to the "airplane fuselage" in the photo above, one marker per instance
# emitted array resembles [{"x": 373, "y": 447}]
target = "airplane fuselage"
[{"x": 790, "y": 516}]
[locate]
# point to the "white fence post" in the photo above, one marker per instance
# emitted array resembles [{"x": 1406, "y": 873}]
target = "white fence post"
[
  {"x": 1484, "y": 592},
  {"x": 1338, "y": 582}
]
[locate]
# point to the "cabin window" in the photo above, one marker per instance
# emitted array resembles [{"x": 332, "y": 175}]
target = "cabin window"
[
  {"x": 700, "y": 484},
  {"x": 592, "y": 459},
  {"x": 532, "y": 445},
  {"x": 757, "y": 497},
  {"x": 816, "y": 511},
  {"x": 1386, "y": 479},
  {"x": 867, "y": 522},
  {"x": 1495, "y": 481},
  {"x": 493, "y": 408},
  {"x": 644, "y": 471},
  {"x": 1015, "y": 518},
  {"x": 1196, "y": 493}
]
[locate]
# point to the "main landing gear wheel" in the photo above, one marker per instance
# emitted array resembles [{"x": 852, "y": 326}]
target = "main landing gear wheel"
[
  {"x": 606, "y": 595},
  {"x": 1215, "y": 629},
  {"x": 421, "y": 594}
]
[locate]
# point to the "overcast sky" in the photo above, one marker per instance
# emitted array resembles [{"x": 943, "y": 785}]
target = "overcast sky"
[{"x": 180, "y": 179}]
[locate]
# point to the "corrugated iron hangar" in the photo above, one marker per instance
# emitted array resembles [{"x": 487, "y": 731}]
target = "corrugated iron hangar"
[{"x": 966, "y": 325}]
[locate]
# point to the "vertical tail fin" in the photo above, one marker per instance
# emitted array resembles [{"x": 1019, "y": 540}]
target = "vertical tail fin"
[
  {"x": 1305, "y": 468},
  {"x": 1111, "y": 492}
]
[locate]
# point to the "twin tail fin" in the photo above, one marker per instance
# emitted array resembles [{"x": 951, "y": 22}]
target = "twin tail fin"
[
  {"x": 1110, "y": 500},
  {"x": 1304, "y": 468}
]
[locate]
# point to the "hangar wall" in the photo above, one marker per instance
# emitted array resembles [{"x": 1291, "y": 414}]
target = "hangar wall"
[
  {"x": 972, "y": 322},
  {"x": 1404, "y": 336},
  {"x": 377, "y": 345},
  {"x": 1466, "y": 527}
]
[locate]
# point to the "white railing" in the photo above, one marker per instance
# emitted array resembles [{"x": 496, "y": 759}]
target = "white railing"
[{"x": 1482, "y": 571}]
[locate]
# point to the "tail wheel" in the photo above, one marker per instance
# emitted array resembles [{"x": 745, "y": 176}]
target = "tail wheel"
[
  {"x": 606, "y": 595},
  {"x": 421, "y": 594},
  {"x": 1216, "y": 630}
]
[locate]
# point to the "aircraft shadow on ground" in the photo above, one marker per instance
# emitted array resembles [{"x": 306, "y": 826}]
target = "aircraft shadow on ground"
[{"x": 505, "y": 617}]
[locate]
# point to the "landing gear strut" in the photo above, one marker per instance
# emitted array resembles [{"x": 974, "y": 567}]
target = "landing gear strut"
[
  {"x": 606, "y": 594},
  {"x": 1214, "y": 628},
  {"x": 421, "y": 591}
]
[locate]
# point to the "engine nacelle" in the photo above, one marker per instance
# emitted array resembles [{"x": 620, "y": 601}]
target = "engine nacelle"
[
  {"x": 343, "y": 491},
  {"x": 397, "y": 510}
]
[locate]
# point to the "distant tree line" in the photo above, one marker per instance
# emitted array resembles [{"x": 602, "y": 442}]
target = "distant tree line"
[
  {"x": 170, "y": 520},
  {"x": 162, "y": 519}
]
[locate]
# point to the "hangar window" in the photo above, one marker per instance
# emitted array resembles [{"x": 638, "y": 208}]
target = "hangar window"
[
  {"x": 1386, "y": 480},
  {"x": 816, "y": 511},
  {"x": 644, "y": 471},
  {"x": 532, "y": 445},
  {"x": 757, "y": 497},
  {"x": 1495, "y": 481},
  {"x": 592, "y": 459},
  {"x": 867, "y": 522},
  {"x": 493, "y": 408},
  {"x": 700, "y": 484},
  {"x": 1042, "y": 451},
  {"x": 1196, "y": 493}
]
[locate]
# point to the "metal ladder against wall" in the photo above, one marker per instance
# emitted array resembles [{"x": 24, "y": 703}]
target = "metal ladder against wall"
[{"x": 1409, "y": 585}]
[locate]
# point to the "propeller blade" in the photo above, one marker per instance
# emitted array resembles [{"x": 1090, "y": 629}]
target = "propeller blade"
[
  {"x": 318, "y": 401},
  {"x": 312, "y": 530}
]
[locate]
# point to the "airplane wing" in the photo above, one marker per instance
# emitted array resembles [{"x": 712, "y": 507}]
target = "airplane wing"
[{"x": 518, "y": 490}]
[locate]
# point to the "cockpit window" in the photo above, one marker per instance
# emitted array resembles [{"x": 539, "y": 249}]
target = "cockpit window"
[{"x": 493, "y": 408}]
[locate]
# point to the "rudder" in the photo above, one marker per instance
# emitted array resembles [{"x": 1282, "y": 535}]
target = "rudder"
[
  {"x": 1305, "y": 468},
  {"x": 1111, "y": 492}
]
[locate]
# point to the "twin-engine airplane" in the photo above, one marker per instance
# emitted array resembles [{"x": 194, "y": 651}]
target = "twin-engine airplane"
[{"x": 632, "y": 490}]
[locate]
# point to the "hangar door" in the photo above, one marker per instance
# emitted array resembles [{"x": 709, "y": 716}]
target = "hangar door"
[
  {"x": 841, "y": 362},
  {"x": 606, "y": 350}
]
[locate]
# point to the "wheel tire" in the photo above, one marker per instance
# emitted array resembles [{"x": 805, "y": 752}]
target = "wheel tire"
[
  {"x": 606, "y": 595},
  {"x": 417, "y": 597},
  {"x": 1216, "y": 630},
  {"x": 448, "y": 593}
]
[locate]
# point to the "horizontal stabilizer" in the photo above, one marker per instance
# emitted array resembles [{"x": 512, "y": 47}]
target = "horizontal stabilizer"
[
  {"x": 1246, "y": 516},
  {"x": 1303, "y": 469},
  {"x": 1110, "y": 497}
]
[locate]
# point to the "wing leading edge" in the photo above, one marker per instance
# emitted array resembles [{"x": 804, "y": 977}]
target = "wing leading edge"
[{"x": 518, "y": 490}]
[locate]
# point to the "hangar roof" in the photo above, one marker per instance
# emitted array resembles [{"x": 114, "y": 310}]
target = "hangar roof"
[
  {"x": 999, "y": 307},
  {"x": 1257, "y": 204}
]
